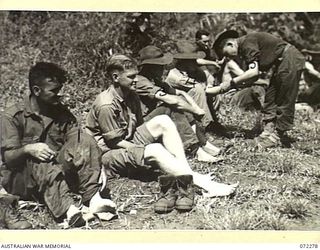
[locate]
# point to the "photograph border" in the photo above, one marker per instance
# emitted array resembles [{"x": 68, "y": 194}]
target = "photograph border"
[{"x": 135, "y": 236}]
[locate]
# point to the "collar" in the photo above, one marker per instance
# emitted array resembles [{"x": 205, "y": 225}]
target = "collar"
[
  {"x": 28, "y": 111},
  {"x": 115, "y": 94}
]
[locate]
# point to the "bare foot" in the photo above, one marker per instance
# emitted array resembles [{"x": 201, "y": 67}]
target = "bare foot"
[
  {"x": 211, "y": 149},
  {"x": 203, "y": 156},
  {"x": 99, "y": 204}
]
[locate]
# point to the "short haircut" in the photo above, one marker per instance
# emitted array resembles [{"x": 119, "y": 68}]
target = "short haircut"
[
  {"x": 43, "y": 70},
  {"x": 201, "y": 33},
  {"x": 120, "y": 63},
  {"x": 223, "y": 43}
]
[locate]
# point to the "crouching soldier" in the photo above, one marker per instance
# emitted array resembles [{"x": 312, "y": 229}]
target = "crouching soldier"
[
  {"x": 45, "y": 156},
  {"x": 261, "y": 51},
  {"x": 128, "y": 144}
]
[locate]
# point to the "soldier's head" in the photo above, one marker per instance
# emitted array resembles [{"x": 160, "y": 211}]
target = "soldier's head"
[
  {"x": 229, "y": 47},
  {"x": 123, "y": 71},
  {"x": 203, "y": 39},
  {"x": 152, "y": 61},
  {"x": 226, "y": 44},
  {"x": 140, "y": 20},
  {"x": 46, "y": 81},
  {"x": 186, "y": 58}
]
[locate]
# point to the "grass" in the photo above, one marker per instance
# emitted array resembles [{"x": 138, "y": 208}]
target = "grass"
[{"x": 279, "y": 188}]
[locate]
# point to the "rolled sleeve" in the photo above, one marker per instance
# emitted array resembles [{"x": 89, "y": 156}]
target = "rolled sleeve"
[
  {"x": 177, "y": 80},
  {"x": 113, "y": 131},
  {"x": 146, "y": 88},
  {"x": 10, "y": 138}
]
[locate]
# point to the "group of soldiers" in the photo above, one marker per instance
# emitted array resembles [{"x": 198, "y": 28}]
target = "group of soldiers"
[{"x": 143, "y": 122}]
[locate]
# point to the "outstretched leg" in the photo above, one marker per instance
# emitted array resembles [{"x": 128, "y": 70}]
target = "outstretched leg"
[{"x": 156, "y": 153}]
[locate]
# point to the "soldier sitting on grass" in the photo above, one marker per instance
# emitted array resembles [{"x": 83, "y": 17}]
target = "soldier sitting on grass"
[
  {"x": 45, "y": 156},
  {"x": 128, "y": 144},
  {"x": 188, "y": 76},
  {"x": 157, "y": 97}
]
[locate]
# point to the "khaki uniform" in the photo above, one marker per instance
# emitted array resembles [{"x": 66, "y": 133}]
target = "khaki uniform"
[{"x": 75, "y": 170}]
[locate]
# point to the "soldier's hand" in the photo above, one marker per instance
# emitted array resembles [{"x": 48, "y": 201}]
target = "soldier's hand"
[
  {"x": 40, "y": 151},
  {"x": 225, "y": 86}
]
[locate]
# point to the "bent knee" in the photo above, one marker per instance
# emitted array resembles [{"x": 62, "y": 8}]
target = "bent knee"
[
  {"x": 159, "y": 124},
  {"x": 163, "y": 119},
  {"x": 154, "y": 151},
  {"x": 166, "y": 122}
]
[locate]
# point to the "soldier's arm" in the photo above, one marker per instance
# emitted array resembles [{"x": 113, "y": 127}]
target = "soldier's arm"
[
  {"x": 178, "y": 80},
  {"x": 251, "y": 73},
  {"x": 40, "y": 151},
  {"x": 14, "y": 157},
  {"x": 181, "y": 101},
  {"x": 113, "y": 134},
  {"x": 192, "y": 106},
  {"x": 234, "y": 68},
  {"x": 201, "y": 61},
  {"x": 13, "y": 151},
  {"x": 311, "y": 70}
]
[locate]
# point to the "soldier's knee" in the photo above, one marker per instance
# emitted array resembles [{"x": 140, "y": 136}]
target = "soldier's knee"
[
  {"x": 165, "y": 122},
  {"x": 154, "y": 151}
]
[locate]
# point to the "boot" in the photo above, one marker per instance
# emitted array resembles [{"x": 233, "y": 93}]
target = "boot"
[
  {"x": 269, "y": 137},
  {"x": 285, "y": 139},
  {"x": 10, "y": 218},
  {"x": 270, "y": 141},
  {"x": 168, "y": 196},
  {"x": 269, "y": 128},
  {"x": 185, "y": 189},
  {"x": 75, "y": 217}
]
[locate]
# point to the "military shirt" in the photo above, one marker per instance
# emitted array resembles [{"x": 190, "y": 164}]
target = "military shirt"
[
  {"x": 112, "y": 119},
  {"x": 184, "y": 81},
  {"x": 20, "y": 125},
  {"x": 147, "y": 91},
  {"x": 261, "y": 47}
]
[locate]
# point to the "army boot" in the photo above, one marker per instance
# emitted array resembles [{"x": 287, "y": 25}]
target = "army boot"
[
  {"x": 10, "y": 218},
  {"x": 168, "y": 196},
  {"x": 185, "y": 200}
]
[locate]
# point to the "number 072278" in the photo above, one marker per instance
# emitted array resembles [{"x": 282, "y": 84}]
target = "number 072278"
[{"x": 309, "y": 246}]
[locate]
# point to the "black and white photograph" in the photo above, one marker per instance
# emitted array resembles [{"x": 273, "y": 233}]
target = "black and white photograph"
[{"x": 159, "y": 120}]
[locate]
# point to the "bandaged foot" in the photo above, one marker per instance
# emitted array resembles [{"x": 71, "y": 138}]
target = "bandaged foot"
[
  {"x": 99, "y": 205},
  {"x": 219, "y": 189},
  {"x": 203, "y": 156},
  {"x": 211, "y": 149}
]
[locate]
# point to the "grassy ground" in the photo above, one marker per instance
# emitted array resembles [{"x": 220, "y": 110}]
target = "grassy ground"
[{"x": 279, "y": 189}]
